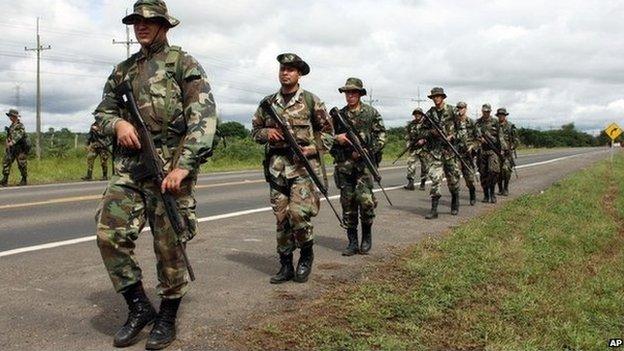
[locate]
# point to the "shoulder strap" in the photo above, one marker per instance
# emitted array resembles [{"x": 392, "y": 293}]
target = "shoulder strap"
[
  {"x": 172, "y": 66},
  {"x": 309, "y": 100}
]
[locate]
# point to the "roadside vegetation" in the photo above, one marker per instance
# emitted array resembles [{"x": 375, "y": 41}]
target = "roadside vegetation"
[
  {"x": 64, "y": 153},
  {"x": 542, "y": 272}
]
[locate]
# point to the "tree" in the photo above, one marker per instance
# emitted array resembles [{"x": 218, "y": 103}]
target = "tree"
[{"x": 233, "y": 130}]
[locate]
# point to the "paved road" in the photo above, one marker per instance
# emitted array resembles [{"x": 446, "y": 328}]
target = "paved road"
[
  {"x": 62, "y": 299},
  {"x": 50, "y": 213}
]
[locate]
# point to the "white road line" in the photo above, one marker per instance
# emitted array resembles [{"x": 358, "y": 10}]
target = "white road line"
[{"x": 240, "y": 213}]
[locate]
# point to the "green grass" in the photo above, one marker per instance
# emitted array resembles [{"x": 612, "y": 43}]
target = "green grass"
[{"x": 543, "y": 272}]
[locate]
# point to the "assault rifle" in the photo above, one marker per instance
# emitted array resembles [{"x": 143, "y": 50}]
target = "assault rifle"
[
  {"x": 402, "y": 153},
  {"x": 448, "y": 142},
  {"x": 284, "y": 128},
  {"x": 358, "y": 144},
  {"x": 152, "y": 168}
]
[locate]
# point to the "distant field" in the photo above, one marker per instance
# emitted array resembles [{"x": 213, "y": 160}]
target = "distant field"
[{"x": 543, "y": 272}]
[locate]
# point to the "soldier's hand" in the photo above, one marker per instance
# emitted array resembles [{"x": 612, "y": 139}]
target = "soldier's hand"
[
  {"x": 421, "y": 142},
  {"x": 342, "y": 139},
  {"x": 127, "y": 135},
  {"x": 355, "y": 155},
  {"x": 308, "y": 151},
  {"x": 275, "y": 135},
  {"x": 173, "y": 180}
]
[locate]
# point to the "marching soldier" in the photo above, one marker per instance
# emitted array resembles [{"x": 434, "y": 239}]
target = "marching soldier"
[
  {"x": 469, "y": 137},
  {"x": 414, "y": 129},
  {"x": 97, "y": 145},
  {"x": 508, "y": 134},
  {"x": 489, "y": 162},
  {"x": 16, "y": 148},
  {"x": 351, "y": 175},
  {"x": 441, "y": 161},
  {"x": 294, "y": 198},
  {"x": 175, "y": 100}
]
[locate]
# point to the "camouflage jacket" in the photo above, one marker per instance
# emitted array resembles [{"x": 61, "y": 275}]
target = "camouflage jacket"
[
  {"x": 16, "y": 132},
  {"x": 370, "y": 126},
  {"x": 468, "y": 135},
  {"x": 415, "y": 132},
  {"x": 97, "y": 141},
  {"x": 175, "y": 100},
  {"x": 445, "y": 118},
  {"x": 509, "y": 135},
  {"x": 304, "y": 120},
  {"x": 491, "y": 128}
]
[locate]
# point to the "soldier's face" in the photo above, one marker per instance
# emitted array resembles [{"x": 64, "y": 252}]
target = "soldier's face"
[
  {"x": 502, "y": 118},
  {"x": 288, "y": 75},
  {"x": 438, "y": 100},
  {"x": 352, "y": 97},
  {"x": 462, "y": 111},
  {"x": 486, "y": 114},
  {"x": 148, "y": 30}
]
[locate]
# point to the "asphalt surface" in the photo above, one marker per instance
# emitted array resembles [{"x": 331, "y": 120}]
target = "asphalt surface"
[
  {"x": 41, "y": 214},
  {"x": 61, "y": 298}
]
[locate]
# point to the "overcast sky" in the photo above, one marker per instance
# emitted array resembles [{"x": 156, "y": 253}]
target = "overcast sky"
[{"x": 548, "y": 62}]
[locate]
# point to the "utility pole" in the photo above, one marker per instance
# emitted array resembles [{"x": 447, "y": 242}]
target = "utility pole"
[
  {"x": 128, "y": 41},
  {"x": 38, "y": 49},
  {"x": 418, "y": 100},
  {"x": 371, "y": 101}
]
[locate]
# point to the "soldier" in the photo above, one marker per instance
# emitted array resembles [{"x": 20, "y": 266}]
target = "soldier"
[
  {"x": 508, "y": 134},
  {"x": 175, "y": 100},
  {"x": 413, "y": 129},
  {"x": 440, "y": 159},
  {"x": 351, "y": 175},
  {"x": 17, "y": 148},
  {"x": 294, "y": 198},
  {"x": 97, "y": 145},
  {"x": 489, "y": 163},
  {"x": 469, "y": 137}
]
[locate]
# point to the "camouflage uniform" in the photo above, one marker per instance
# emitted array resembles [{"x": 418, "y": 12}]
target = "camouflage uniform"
[
  {"x": 176, "y": 102},
  {"x": 16, "y": 134},
  {"x": 510, "y": 138},
  {"x": 294, "y": 197},
  {"x": 97, "y": 146},
  {"x": 468, "y": 141},
  {"x": 417, "y": 153},
  {"x": 489, "y": 162},
  {"x": 352, "y": 177}
]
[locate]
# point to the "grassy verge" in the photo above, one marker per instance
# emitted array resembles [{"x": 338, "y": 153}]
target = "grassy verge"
[{"x": 544, "y": 272}]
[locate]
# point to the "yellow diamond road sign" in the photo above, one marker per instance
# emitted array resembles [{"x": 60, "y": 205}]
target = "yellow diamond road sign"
[{"x": 613, "y": 131}]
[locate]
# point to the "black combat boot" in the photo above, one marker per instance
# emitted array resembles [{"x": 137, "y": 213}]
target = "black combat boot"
[
  {"x": 5, "y": 180},
  {"x": 486, "y": 194},
  {"x": 422, "y": 184},
  {"x": 455, "y": 203},
  {"x": 141, "y": 313},
  {"x": 164, "y": 331},
  {"x": 304, "y": 267},
  {"x": 286, "y": 272},
  {"x": 433, "y": 214},
  {"x": 493, "y": 193},
  {"x": 352, "y": 248},
  {"x": 367, "y": 238},
  {"x": 473, "y": 195},
  {"x": 410, "y": 184},
  {"x": 24, "y": 181},
  {"x": 88, "y": 176}
]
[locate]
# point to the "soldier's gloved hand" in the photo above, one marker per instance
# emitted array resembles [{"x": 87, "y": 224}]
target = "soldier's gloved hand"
[
  {"x": 275, "y": 136},
  {"x": 127, "y": 135},
  {"x": 173, "y": 180}
]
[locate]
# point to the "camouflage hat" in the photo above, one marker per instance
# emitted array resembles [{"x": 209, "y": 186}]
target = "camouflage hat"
[
  {"x": 353, "y": 84},
  {"x": 501, "y": 111},
  {"x": 293, "y": 60},
  {"x": 486, "y": 108},
  {"x": 462, "y": 104},
  {"x": 150, "y": 9},
  {"x": 13, "y": 113},
  {"x": 437, "y": 91},
  {"x": 418, "y": 111}
]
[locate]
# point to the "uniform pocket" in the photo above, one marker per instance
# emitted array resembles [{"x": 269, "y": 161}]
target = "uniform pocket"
[{"x": 302, "y": 130}]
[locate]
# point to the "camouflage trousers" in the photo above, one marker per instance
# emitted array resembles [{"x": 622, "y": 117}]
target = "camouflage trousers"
[
  {"x": 22, "y": 163},
  {"x": 469, "y": 175},
  {"x": 440, "y": 167},
  {"x": 506, "y": 167},
  {"x": 294, "y": 211},
  {"x": 411, "y": 166},
  {"x": 123, "y": 212},
  {"x": 356, "y": 195},
  {"x": 92, "y": 154},
  {"x": 489, "y": 168}
]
